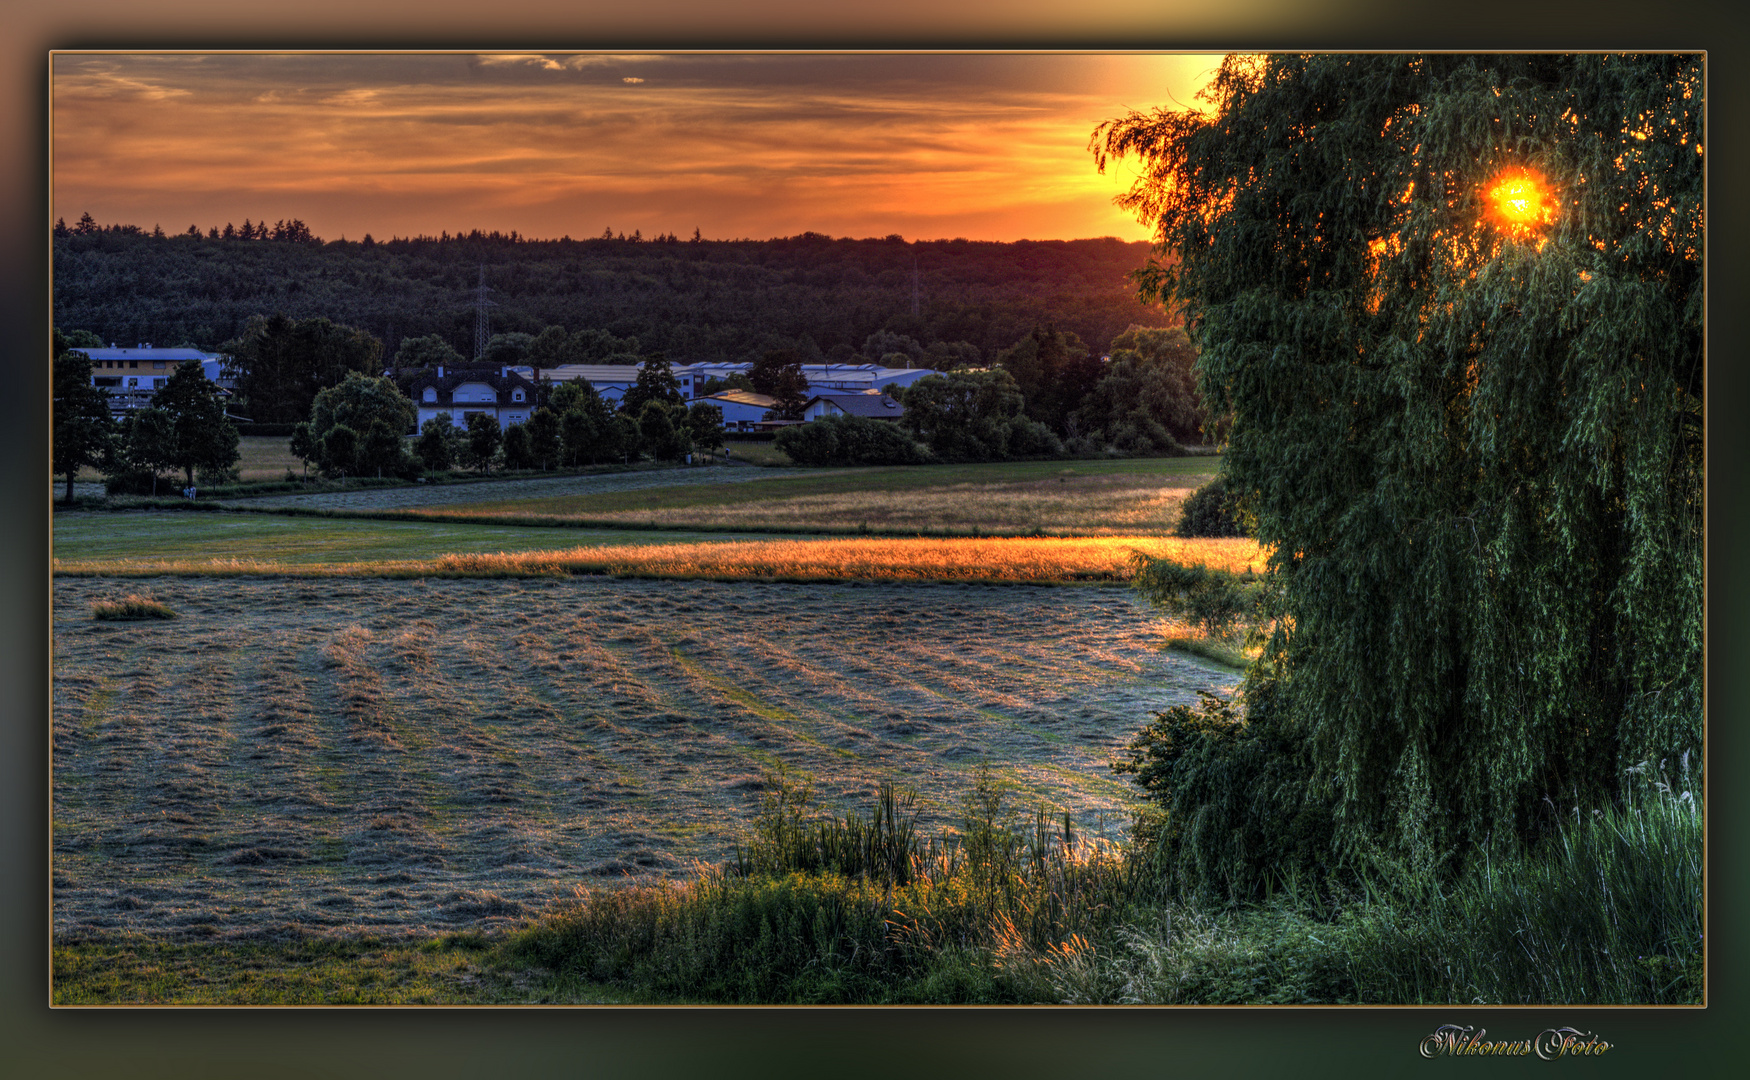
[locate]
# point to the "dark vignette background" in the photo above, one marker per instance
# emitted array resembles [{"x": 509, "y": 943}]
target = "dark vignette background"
[{"x": 36, "y": 1041}]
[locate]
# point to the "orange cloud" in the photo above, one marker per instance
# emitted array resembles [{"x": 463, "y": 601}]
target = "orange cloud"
[{"x": 932, "y": 145}]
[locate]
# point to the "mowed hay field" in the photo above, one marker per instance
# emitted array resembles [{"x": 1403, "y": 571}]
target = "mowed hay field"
[
  {"x": 1049, "y": 498},
  {"x": 342, "y": 755}
]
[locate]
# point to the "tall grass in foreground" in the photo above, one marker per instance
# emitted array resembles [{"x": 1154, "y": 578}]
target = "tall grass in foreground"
[
  {"x": 851, "y": 909},
  {"x": 1609, "y": 912},
  {"x": 1049, "y": 559}
]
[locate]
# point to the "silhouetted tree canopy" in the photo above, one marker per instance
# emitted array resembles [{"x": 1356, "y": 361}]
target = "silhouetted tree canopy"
[{"x": 281, "y": 363}]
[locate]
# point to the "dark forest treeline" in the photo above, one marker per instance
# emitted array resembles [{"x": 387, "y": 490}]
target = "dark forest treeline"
[{"x": 692, "y": 299}]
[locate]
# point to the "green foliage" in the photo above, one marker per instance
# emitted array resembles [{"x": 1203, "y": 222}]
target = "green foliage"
[
  {"x": 660, "y": 436},
  {"x": 517, "y": 455},
  {"x": 1607, "y": 910},
  {"x": 508, "y": 349},
  {"x": 704, "y": 426},
  {"x": 281, "y": 363},
  {"x": 1054, "y": 373},
  {"x": 438, "y": 443},
  {"x": 543, "y": 432},
  {"x": 1234, "y": 812},
  {"x": 145, "y": 446},
  {"x": 974, "y": 416},
  {"x": 201, "y": 437},
  {"x": 715, "y": 300},
  {"x": 1216, "y": 601},
  {"x": 481, "y": 441},
  {"x": 1211, "y": 511},
  {"x": 656, "y": 382},
  {"x": 852, "y": 909},
  {"x": 1146, "y": 399},
  {"x": 1473, "y": 450},
  {"x": 735, "y": 380},
  {"x": 83, "y": 432},
  {"x": 429, "y": 351},
  {"x": 850, "y": 440},
  {"x": 375, "y": 416},
  {"x": 779, "y": 374}
]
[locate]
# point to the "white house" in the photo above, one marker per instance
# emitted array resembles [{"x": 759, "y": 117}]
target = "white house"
[
  {"x": 133, "y": 376},
  {"x": 503, "y": 393}
]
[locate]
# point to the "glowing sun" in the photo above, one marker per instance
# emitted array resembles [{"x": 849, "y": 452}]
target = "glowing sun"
[{"x": 1521, "y": 202}]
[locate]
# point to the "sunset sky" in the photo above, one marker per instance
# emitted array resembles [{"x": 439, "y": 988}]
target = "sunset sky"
[{"x": 930, "y": 146}]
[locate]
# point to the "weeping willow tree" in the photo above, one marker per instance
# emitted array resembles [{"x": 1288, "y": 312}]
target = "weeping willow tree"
[{"x": 1453, "y": 305}]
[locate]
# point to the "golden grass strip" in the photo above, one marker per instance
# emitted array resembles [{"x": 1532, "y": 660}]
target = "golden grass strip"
[{"x": 1021, "y": 559}]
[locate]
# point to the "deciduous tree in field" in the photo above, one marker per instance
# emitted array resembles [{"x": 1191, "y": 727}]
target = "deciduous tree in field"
[
  {"x": 146, "y": 445},
  {"x": 436, "y": 445},
  {"x": 660, "y": 435},
  {"x": 484, "y": 437},
  {"x": 656, "y": 382},
  {"x": 363, "y": 404},
  {"x": 974, "y": 416},
  {"x": 517, "y": 455},
  {"x": 203, "y": 438},
  {"x": 1054, "y": 372},
  {"x": 543, "y": 428},
  {"x": 705, "y": 426},
  {"x": 1453, "y": 305}
]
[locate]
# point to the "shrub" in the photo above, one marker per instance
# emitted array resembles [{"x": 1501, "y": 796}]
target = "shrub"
[
  {"x": 850, "y": 440},
  {"x": 129, "y": 608},
  {"x": 821, "y": 909},
  {"x": 1216, "y": 601},
  {"x": 1233, "y": 814},
  {"x": 1209, "y": 511},
  {"x": 1607, "y": 911}
]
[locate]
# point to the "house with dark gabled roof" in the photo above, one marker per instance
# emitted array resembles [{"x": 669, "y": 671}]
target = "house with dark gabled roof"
[
  {"x": 871, "y": 404},
  {"x": 502, "y": 393}
]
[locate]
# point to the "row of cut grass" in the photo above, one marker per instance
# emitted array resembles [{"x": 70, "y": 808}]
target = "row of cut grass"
[{"x": 1017, "y": 560}]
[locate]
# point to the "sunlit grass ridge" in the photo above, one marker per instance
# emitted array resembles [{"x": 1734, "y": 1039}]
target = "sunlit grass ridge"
[{"x": 1032, "y": 559}]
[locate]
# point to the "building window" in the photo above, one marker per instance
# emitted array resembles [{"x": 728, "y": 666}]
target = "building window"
[
  {"x": 517, "y": 396},
  {"x": 431, "y": 393},
  {"x": 159, "y": 364}
]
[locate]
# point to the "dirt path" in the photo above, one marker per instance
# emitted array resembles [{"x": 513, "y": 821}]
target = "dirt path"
[{"x": 411, "y": 757}]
